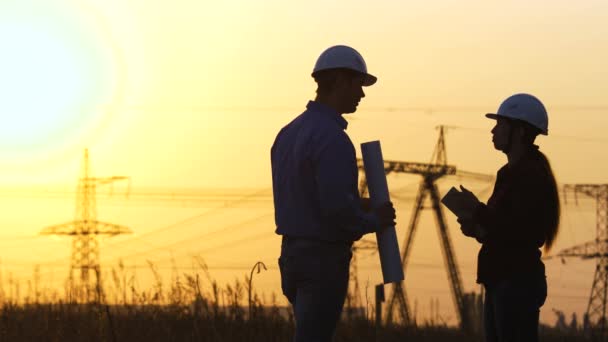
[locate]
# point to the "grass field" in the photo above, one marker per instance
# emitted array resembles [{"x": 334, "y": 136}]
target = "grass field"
[
  {"x": 86, "y": 323},
  {"x": 192, "y": 307}
]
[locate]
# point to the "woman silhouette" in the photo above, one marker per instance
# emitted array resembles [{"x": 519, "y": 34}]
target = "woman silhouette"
[{"x": 520, "y": 217}]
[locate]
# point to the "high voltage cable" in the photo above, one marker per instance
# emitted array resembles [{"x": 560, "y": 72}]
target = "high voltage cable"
[
  {"x": 234, "y": 243},
  {"x": 191, "y": 219},
  {"x": 219, "y": 231},
  {"x": 188, "y": 220},
  {"x": 199, "y": 237},
  {"x": 222, "y": 230},
  {"x": 388, "y": 109},
  {"x": 248, "y": 267},
  {"x": 559, "y": 136},
  {"x": 167, "y": 195},
  {"x": 225, "y": 206}
]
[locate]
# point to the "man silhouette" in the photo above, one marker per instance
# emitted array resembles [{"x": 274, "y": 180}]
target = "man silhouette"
[{"x": 317, "y": 206}]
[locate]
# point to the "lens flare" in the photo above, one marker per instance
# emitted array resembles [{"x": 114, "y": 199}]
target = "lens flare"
[{"x": 57, "y": 72}]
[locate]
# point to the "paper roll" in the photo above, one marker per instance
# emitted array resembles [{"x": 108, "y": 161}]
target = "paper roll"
[{"x": 388, "y": 247}]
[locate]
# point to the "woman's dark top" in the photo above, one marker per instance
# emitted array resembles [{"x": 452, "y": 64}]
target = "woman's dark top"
[{"x": 516, "y": 219}]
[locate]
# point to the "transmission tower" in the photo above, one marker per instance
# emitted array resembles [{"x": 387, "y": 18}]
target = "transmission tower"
[
  {"x": 84, "y": 229},
  {"x": 354, "y": 291},
  {"x": 596, "y": 249},
  {"x": 430, "y": 173}
]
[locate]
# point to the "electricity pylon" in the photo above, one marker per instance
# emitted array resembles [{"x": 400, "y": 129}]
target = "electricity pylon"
[
  {"x": 596, "y": 249},
  {"x": 84, "y": 230},
  {"x": 354, "y": 292},
  {"x": 430, "y": 173}
]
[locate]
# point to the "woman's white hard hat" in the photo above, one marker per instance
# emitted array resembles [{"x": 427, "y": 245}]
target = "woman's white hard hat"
[
  {"x": 524, "y": 107},
  {"x": 344, "y": 57}
]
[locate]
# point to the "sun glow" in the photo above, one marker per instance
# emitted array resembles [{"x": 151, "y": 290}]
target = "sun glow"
[{"x": 57, "y": 70}]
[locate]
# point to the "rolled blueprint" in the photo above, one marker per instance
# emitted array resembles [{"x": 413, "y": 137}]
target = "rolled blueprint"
[{"x": 390, "y": 258}]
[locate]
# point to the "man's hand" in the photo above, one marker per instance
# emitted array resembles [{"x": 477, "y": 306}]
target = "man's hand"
[
  {"x": 386, "y": 215},
  {"x": 366, "y": 204}
]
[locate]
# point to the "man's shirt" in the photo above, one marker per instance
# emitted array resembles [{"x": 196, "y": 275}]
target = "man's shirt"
[{"x": 315, "y": 177}]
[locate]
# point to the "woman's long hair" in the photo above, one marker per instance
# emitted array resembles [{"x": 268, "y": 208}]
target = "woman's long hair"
[{"x": 553, "y": 204}]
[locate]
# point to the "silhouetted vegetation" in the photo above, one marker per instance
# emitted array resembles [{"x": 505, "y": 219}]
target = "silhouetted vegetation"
[{"x": 193, "y": 307}]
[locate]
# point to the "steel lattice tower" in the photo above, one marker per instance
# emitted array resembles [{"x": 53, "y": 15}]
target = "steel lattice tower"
[
  {"x": 595, "y": 249},
  {"x": 354, "y": 292},
  {"x": 85, "y": 275},
  {"x": 431, "y": 172}
]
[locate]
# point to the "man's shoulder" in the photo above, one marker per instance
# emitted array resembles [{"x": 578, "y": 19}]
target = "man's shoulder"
[
  {"x": 318, "y": 125},
  {"x": 304, "y": 119},
  {"x": 313, "y": 128},
  {"x": 293, "y": 124}
]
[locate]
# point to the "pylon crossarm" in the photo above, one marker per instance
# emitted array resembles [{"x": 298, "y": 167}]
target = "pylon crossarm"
[
  {"x": 586, "y": 250},
  {"x": 60, "y": 229},
  {"x": 103, "y": 180},
  {"x": 110, "y": 228},
  {"x": 81, "y": 227},
  {"x": 415, "y": 168},
  {"x": 591, "y": 190},
  {"x": 475, "y": 175}
]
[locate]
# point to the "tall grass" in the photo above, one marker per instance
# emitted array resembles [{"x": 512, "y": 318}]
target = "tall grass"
[{"x": 191, "y": 307}]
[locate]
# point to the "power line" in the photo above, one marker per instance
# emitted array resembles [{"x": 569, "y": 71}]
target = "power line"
[
  {"x": 230, "y": 244},
  {"x": 11, "y": 238},
  {"x": 162, "y": 195},
  {"x": 486, "y": 131},
  {"x": 387, "y": 109},
  {"x": 222, "y": 230},
  {"x": 191, "y": 219}
]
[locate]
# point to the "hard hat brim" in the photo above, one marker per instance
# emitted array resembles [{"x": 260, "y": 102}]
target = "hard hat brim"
[
  {"x": 495, "y": 117},
  {"x": 369, "y": 80}
]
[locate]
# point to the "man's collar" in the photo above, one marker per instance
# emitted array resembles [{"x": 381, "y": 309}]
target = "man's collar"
[{"x": 327, "y": 110}]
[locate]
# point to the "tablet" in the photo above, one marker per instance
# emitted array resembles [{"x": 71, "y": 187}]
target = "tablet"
[{"x": 453, "y": 201}]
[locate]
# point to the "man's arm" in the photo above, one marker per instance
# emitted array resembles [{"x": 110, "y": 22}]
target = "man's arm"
[{"x": 337, "y": 174}]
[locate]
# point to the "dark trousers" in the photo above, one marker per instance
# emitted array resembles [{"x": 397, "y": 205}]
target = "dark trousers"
[
  {"x": 314, "y": 278},
  {"x": 512, "y": 308}
]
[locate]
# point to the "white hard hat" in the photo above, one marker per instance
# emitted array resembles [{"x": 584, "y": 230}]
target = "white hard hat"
[
  {"x": 524, "y": 107},
  {"x": 342, "y": 56}
]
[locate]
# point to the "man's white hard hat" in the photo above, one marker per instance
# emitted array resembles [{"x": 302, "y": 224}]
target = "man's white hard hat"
[
  {"x": 524, "y": 107},
  {"x": 344, "y": 57}
]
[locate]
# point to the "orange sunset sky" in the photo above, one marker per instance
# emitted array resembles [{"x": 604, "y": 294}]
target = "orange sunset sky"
[{"x": 187, "y": 96}]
